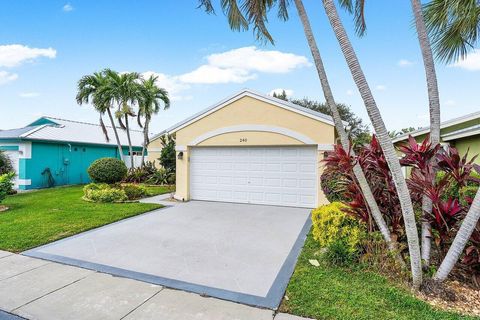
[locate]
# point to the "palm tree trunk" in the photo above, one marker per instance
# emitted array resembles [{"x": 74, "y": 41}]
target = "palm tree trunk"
[
  {"x": 145, "y": 141},
  {"x": 460, "y": 241},
  {"x": 130, "y": 149},
  {"x": 434, "y": 108},
  {"x": 357, "y": 170},
  {"x": 383, "y": 138},
  {"x": 114, "y": 127}
]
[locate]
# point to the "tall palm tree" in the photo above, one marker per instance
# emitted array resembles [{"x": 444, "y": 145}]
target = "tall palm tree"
[
  {"x": 383, "y": 138},
  {"x": 454, "y": 26},
  {"x": 434, "y": 109},
  {"x": 150, "y": 104},
  {"x": 357, "y": 6},
  {"x": 256, "y": 14},
  {"x": 124, "y": 89},
  {"x": 90, "y": 88}
]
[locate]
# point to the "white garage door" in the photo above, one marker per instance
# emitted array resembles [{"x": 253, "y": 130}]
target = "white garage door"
[
  {"x": 284, "y": 176},
  {"x": 13, "y": 155}
]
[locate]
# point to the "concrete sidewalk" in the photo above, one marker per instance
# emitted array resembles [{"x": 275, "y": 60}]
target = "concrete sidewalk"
[{"x": 38, "y": 289}]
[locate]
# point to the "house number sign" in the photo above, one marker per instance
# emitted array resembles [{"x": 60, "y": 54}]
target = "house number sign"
[{"x": 243, "y": 140}]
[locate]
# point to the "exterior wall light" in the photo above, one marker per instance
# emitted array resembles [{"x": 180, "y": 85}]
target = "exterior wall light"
[{"x": 180, "y": 155}]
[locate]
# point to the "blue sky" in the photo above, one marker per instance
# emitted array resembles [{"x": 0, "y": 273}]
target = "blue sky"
[{"x": 46, "y": 46}]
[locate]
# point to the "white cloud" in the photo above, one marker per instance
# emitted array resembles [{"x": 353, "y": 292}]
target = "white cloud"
[
  {"x": 349, "y": 92},
  {"x": 208, "y": 74},
  {"x": 253, "y": 59},
  {"x": 13, "y": 55},
  {"x": 450, "y": 103},
  {"x": 404, "y": 63},
  {"x": 242, "y": 64},
  {"x": 67, "y": 8},
  {"x": 381, "y": 87},
  {"x": 233, "y": 66},
  {"x": 29, "y": 94},
  {"x": 288, "y": 92},
  {"x": 471, "y": 61},
  {"x": 6, "y": 77}
]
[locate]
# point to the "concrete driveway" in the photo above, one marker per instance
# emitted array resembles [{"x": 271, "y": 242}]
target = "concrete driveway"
[{"x": 238, "y": 252}]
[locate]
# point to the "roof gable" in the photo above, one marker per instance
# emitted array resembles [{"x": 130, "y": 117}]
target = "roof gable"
[
  {"x": 249, "y": 93},
  {"x": 42, "y": 121}
]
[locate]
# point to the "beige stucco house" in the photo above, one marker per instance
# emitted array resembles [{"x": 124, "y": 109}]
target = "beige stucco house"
[{"x": 251, "y": 148}]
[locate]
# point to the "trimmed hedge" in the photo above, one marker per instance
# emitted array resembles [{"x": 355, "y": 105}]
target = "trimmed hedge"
[{"x": 107, "y": 170}]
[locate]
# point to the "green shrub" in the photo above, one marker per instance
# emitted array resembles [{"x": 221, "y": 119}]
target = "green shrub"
[
  {"x": 162, "y": 177},
  {"x": 5, "y": 163},
  {"x": 6, "y": 184},
  {"x": 168, "y": 159},
  {"x": 339, "y": 253},
  {"x": 141, "y": 174},
  {"x": 107, "y": 170},
  {"x": 333, "y": 185},
  {"x": 467, "y": 194},
  {"x": 331, "y": 226},
  {"x": 105, "y": 195},
  {"x": 134, "y": 192}
]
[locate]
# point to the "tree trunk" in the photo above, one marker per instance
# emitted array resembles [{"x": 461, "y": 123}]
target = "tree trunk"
[
  {"x": 384, "y": 140},
  {"x": 129, "y": 141},
  {"x": 434, "y": 108},
  {"x": 460, "y": 241},
  {"x": 114, "y": 127},
  {"x": 357, "y": 170},
  {"x": 145, "y": 141}
]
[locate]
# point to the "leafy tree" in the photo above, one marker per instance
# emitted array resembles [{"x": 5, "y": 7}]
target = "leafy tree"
[
  {"x": 395, "y": 133},
  {"x": 168, "y": 156},
  {"x": 5, "y": 163},
  {"x": 357, "y": 130},
  {"x": 152, "y": 97},
  {"x": 282, "y": 95}
]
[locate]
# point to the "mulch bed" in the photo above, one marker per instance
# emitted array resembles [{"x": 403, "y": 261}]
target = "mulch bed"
[{"x": 452, "y": 296}]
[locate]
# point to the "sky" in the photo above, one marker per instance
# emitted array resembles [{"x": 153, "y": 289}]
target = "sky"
[{"x": 47, "y": 46}]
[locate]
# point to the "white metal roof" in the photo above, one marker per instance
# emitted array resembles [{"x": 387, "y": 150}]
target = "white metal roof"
[
  {"x": 79, "y": 132},
  {"x": 247, "y": 92}
]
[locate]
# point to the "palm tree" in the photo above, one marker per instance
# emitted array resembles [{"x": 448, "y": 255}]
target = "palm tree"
[
  {"x": 383, "y": 138},
  {"x": 453, "y": 26},
  {"x": 90, "y": 88},
  {"x": 433, "y": 96},
  {"x": 434, "y": 109},
  {"x": 124, "y": 89},
  {"x": 149, "y": 104},
  {"x": 256, "y": 14}
]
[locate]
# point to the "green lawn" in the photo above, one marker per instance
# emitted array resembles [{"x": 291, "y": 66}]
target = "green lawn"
[
  {"x": 43, "y": 216},
  {"x": 328, "y": 292},
  {"x": 156, "y": 190}
]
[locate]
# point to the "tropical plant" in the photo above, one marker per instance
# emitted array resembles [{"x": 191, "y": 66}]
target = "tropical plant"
[
  {"x": 453, "y": 26},
  {"x": 168, "y": 158},
  {"x": 107, "y": 170},
  {"x": 152, "y": 97},
  {"x": 124, "y": 90},
  {"x": 256, "y": 14},
  {"x": 92, "y": 88},
  {"x": 162, "y": 177},
  {"x": 140, "y": 174},
  {"x": 134, "y": 191}
]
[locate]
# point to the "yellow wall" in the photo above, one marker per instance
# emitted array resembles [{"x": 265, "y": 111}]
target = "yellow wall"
[
  {"x": 249, "y": 111},
  {"x": 154, "y": 149}
]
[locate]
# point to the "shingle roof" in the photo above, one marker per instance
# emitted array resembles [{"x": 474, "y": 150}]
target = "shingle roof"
[{"x": 73, "y": 131}]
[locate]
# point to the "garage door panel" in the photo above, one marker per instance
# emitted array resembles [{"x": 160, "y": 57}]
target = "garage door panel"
[{"x": 262, "y": 175}]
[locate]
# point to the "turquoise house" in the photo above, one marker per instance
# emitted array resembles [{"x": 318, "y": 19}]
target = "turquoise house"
[{"x": 54, "y": 152}]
